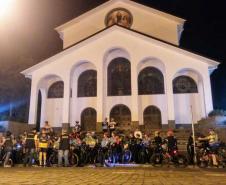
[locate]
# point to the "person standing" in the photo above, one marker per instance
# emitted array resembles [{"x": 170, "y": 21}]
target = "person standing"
[
  {"x": 30, "y": 147},
  {"x": 105, "y": 125},
  {"x": 2, "y": 141},
  {"x": 8, "y": 144},
  {"x": 112, "y": 126},
  {"x": 43, "y": 146},
  {"x": 64, "y": 148},
  {"x": 47, "y": 128},
  {"x": 190, "y": 149},
  {"x": 212, "y": 139}
]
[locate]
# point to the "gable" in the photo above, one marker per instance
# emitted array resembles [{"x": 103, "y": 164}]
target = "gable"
[{"x": 144, "y": 19}]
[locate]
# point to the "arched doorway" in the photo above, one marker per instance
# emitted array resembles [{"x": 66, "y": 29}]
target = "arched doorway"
[
  {"x": 122, "y": 116},
  {"x": 39, "y": 109},
  {"x": 88, "y": 119},
  {"x": 152, "y": 118}
]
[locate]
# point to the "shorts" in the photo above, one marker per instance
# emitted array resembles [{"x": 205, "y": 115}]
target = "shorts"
[{"x": 43, "y": 150}]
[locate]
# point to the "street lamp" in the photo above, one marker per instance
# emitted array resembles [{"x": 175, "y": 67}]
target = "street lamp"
[{"x": 5, "y": 6}]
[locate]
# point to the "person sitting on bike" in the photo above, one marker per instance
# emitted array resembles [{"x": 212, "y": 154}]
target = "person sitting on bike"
[
  {"x": 115, "y": 142},
  {"x": 132, "y": 143},
  {"x": 43, "y": 146},
  {"x": 171, "y": 142},
  {"x": 89, "y": 140},
  {"x": 73, "y": 133},
  {"x": 2, "y": 140},
  {"x": 212, "y": 139},
  {"x": 105, "y": 141},
  {"x": 75, "y": 140},
  {"x": 30, "y": 146},
  {"x": 146, "y": 140},
  {"x": 64, "y": 147},
  {"x": 8, "y": 145}
]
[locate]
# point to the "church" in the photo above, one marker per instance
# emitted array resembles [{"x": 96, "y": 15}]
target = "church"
[{"x": 121, "y": 60}]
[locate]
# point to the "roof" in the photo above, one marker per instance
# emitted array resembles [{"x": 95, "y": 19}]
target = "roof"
[
  {"x": 111, "y": 2},
  {"x": 147, "y": 38}
]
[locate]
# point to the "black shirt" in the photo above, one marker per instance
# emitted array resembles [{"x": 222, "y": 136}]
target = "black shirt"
[
  {"x": 30, "y": 141},
  {"x": 8, "y": 142},
  {"x": 64, "y": 142}
]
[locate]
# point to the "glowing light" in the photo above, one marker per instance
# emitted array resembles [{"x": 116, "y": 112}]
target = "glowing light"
[{"x": 5, "y": 6}]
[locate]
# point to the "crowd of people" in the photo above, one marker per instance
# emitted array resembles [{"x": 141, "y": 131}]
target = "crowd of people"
[{"x": 42, "y": 144}]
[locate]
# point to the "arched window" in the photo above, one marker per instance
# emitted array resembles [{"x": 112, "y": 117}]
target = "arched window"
[
  {"x": 184, "y": 84},
  {"x": 88, "y": 119},
  {"x": 121, "y": 115},
  {"x": 87, "y": 84},
  {"x": 119, "y": 77},
  {"x": 152, "y": 117},
  {"x": 150, "y": 81},
  {"x": 56, "y": 90}
]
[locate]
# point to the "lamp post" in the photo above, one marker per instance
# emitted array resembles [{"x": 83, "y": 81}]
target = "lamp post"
[{"x": 193, "y": 135}]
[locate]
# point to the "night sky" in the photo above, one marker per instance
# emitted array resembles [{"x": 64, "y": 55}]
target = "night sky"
[{"x": 27, "y": 37}]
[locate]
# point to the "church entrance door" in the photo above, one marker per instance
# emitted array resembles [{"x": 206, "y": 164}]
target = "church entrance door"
[
  {"x": 152, "y": 118},
  {"x": 122, "y": 116},
  {"x": 89, "y": 119}
]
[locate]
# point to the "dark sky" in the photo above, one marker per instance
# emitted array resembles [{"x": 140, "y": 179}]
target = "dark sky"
[{"x": 27, "y": 37}]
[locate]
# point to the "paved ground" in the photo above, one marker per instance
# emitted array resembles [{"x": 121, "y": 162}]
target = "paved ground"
[{"x": 112, "y": 176}]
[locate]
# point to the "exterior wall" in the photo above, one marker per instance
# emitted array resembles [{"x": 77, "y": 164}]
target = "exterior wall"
[
  {"x": 54, "y": 112},
  {"x": 157, "y": 100},
  {"x": 69, "y": 64},
  {"x": 183, "y": 111}
]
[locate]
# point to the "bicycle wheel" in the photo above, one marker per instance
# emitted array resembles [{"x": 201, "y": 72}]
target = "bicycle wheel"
[
  {"x": 142, "y": 157},
  {"x": 74, "y": 160},
  {"x": 181, "y": 161},
  {"x": 9, "y": 163},
  {"x": 156, "y": 159},
  {"x": 126, "y": 157},
  {"x": 53, "y": 160}
]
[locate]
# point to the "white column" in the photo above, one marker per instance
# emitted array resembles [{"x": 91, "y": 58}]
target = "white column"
[
  {"x": 170, "y": 96},
  {"x": 33, "y": 102},
  {"x": 66, "y": 100},
  {"x": 207, "y": 92},
  {"x": 134, "y": 88},
  {"x": 100, "y": 96},
  {"x": 43, "y": 107}
]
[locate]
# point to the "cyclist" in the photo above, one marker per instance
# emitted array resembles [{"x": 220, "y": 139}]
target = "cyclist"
[
  {"x": 212, "y": 139},
  {"x": 2, "y": 140},
  {"x": 8, "y": 145},
  {"x": 30, "y": 147},
  {"x": 64, "y": 147},
  {"x": 43, "y": 146},
  {"x": 171, "y": 142}
]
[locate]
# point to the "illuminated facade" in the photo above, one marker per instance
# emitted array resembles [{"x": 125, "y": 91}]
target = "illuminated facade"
[{"x": 121, "y": 60}]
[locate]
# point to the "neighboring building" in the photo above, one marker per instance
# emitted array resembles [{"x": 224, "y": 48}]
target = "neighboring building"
[{"x": 121, "y": 60}]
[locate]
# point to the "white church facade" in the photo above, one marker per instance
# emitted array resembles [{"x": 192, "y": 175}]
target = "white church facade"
[{"x": 121, "y": 60}]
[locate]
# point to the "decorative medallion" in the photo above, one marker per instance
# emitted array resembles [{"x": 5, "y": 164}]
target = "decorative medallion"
[{"x": 119, "y": 16}]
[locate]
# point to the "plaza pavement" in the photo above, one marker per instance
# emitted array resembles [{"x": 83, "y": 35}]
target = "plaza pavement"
[{"x": 112, "y": 176}]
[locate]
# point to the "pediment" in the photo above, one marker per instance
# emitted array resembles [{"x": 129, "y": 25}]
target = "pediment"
[{"x": 126, "y": 13}]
